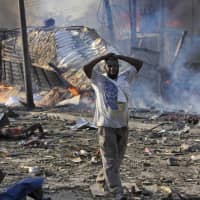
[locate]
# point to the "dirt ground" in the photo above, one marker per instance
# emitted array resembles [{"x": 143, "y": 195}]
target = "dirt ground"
[{"x": 162, "y": 159}]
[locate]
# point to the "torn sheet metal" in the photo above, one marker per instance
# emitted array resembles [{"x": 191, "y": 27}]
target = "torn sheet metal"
[
  {"x": 66, "y": 48},
  {"x": 83, "y": 123}
]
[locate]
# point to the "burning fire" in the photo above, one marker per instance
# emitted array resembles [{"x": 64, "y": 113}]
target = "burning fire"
[
  {"x": 4, "y": 92},
  {"x": 74, "y": 91},
  {"x": 5, "y": 87}
]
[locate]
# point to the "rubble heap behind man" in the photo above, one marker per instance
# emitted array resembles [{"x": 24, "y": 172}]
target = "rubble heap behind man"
[{"x": 111, "y": 115}]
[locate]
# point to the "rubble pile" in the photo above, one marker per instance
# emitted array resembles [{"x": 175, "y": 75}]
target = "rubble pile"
[
  {"x": 53, "y": 96},
  {"x": 71, "y": 99}
]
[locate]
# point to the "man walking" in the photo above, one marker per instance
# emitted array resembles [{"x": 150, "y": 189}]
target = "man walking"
[{"x": 111, "y": 115}]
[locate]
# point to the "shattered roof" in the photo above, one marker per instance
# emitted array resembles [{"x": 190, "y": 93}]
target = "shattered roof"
[{"x": 66, "y": 48}]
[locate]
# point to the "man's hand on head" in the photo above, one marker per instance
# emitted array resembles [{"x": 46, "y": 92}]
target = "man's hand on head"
[{"x": 108, "y": 55}]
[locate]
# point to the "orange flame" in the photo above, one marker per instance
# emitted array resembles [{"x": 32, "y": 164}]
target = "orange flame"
[
  {"x": 74, "y": 91},
  {"x": 4, "y": 92},
  {"x": 4, "y": 87}
]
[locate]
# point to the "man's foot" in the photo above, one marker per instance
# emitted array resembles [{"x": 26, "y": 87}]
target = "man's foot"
[
  {"x": 123, "y": 198},
  {"x": 2, "y": 175},
  {"x": 98, "y": 190}
]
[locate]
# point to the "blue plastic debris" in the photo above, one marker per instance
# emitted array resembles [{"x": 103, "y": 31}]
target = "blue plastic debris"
[{"x": 22, "y": 189}]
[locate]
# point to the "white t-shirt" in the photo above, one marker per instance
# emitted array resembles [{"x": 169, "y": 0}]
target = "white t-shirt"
[{"x": 112, "y": 98}]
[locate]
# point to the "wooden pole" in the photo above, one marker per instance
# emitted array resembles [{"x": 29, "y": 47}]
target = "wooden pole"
[
  {"x": 162, "y": 30},
  {"x": 132, "y": 14},
  {"x": 26, "y": 58},
  {"x": 110, "y": 20}
]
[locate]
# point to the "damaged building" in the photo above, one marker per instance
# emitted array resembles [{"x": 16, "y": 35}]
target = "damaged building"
[
  {"x": 57, "y": 56},
  {"x": 53, "y": 53}
]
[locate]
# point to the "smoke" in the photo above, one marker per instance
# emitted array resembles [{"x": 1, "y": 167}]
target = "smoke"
[
  {"x": 9, "y": 14},
  {"x": 184, "y": 90},
  {"x": 173, "y": 82},
  {"x": 65, "y": 12}
]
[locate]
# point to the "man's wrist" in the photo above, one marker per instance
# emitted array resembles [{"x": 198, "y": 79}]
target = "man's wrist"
[{"x": 119, "y": 56}]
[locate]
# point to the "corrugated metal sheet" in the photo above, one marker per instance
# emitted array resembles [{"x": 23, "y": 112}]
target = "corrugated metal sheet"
[{"x": 67, "y": 48}]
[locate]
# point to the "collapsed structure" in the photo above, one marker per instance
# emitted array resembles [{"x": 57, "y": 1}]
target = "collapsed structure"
[{"x": 55, "y": 55}]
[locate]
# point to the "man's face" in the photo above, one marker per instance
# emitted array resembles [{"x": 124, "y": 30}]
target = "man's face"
[{"x": 112, "y": 68}]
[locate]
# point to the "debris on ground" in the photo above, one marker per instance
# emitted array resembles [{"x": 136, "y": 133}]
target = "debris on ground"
[{"x": 161, "y": 162}]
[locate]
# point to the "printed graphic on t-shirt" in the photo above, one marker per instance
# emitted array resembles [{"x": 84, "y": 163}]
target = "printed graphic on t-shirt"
[
  {"x": 111, "y": 93},
  {"x": 127, "y": 75}
]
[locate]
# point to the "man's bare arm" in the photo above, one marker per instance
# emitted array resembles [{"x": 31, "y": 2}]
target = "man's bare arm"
[
  {"x": 89, "y": 66},
  {"x": 135, "y": 62}
]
